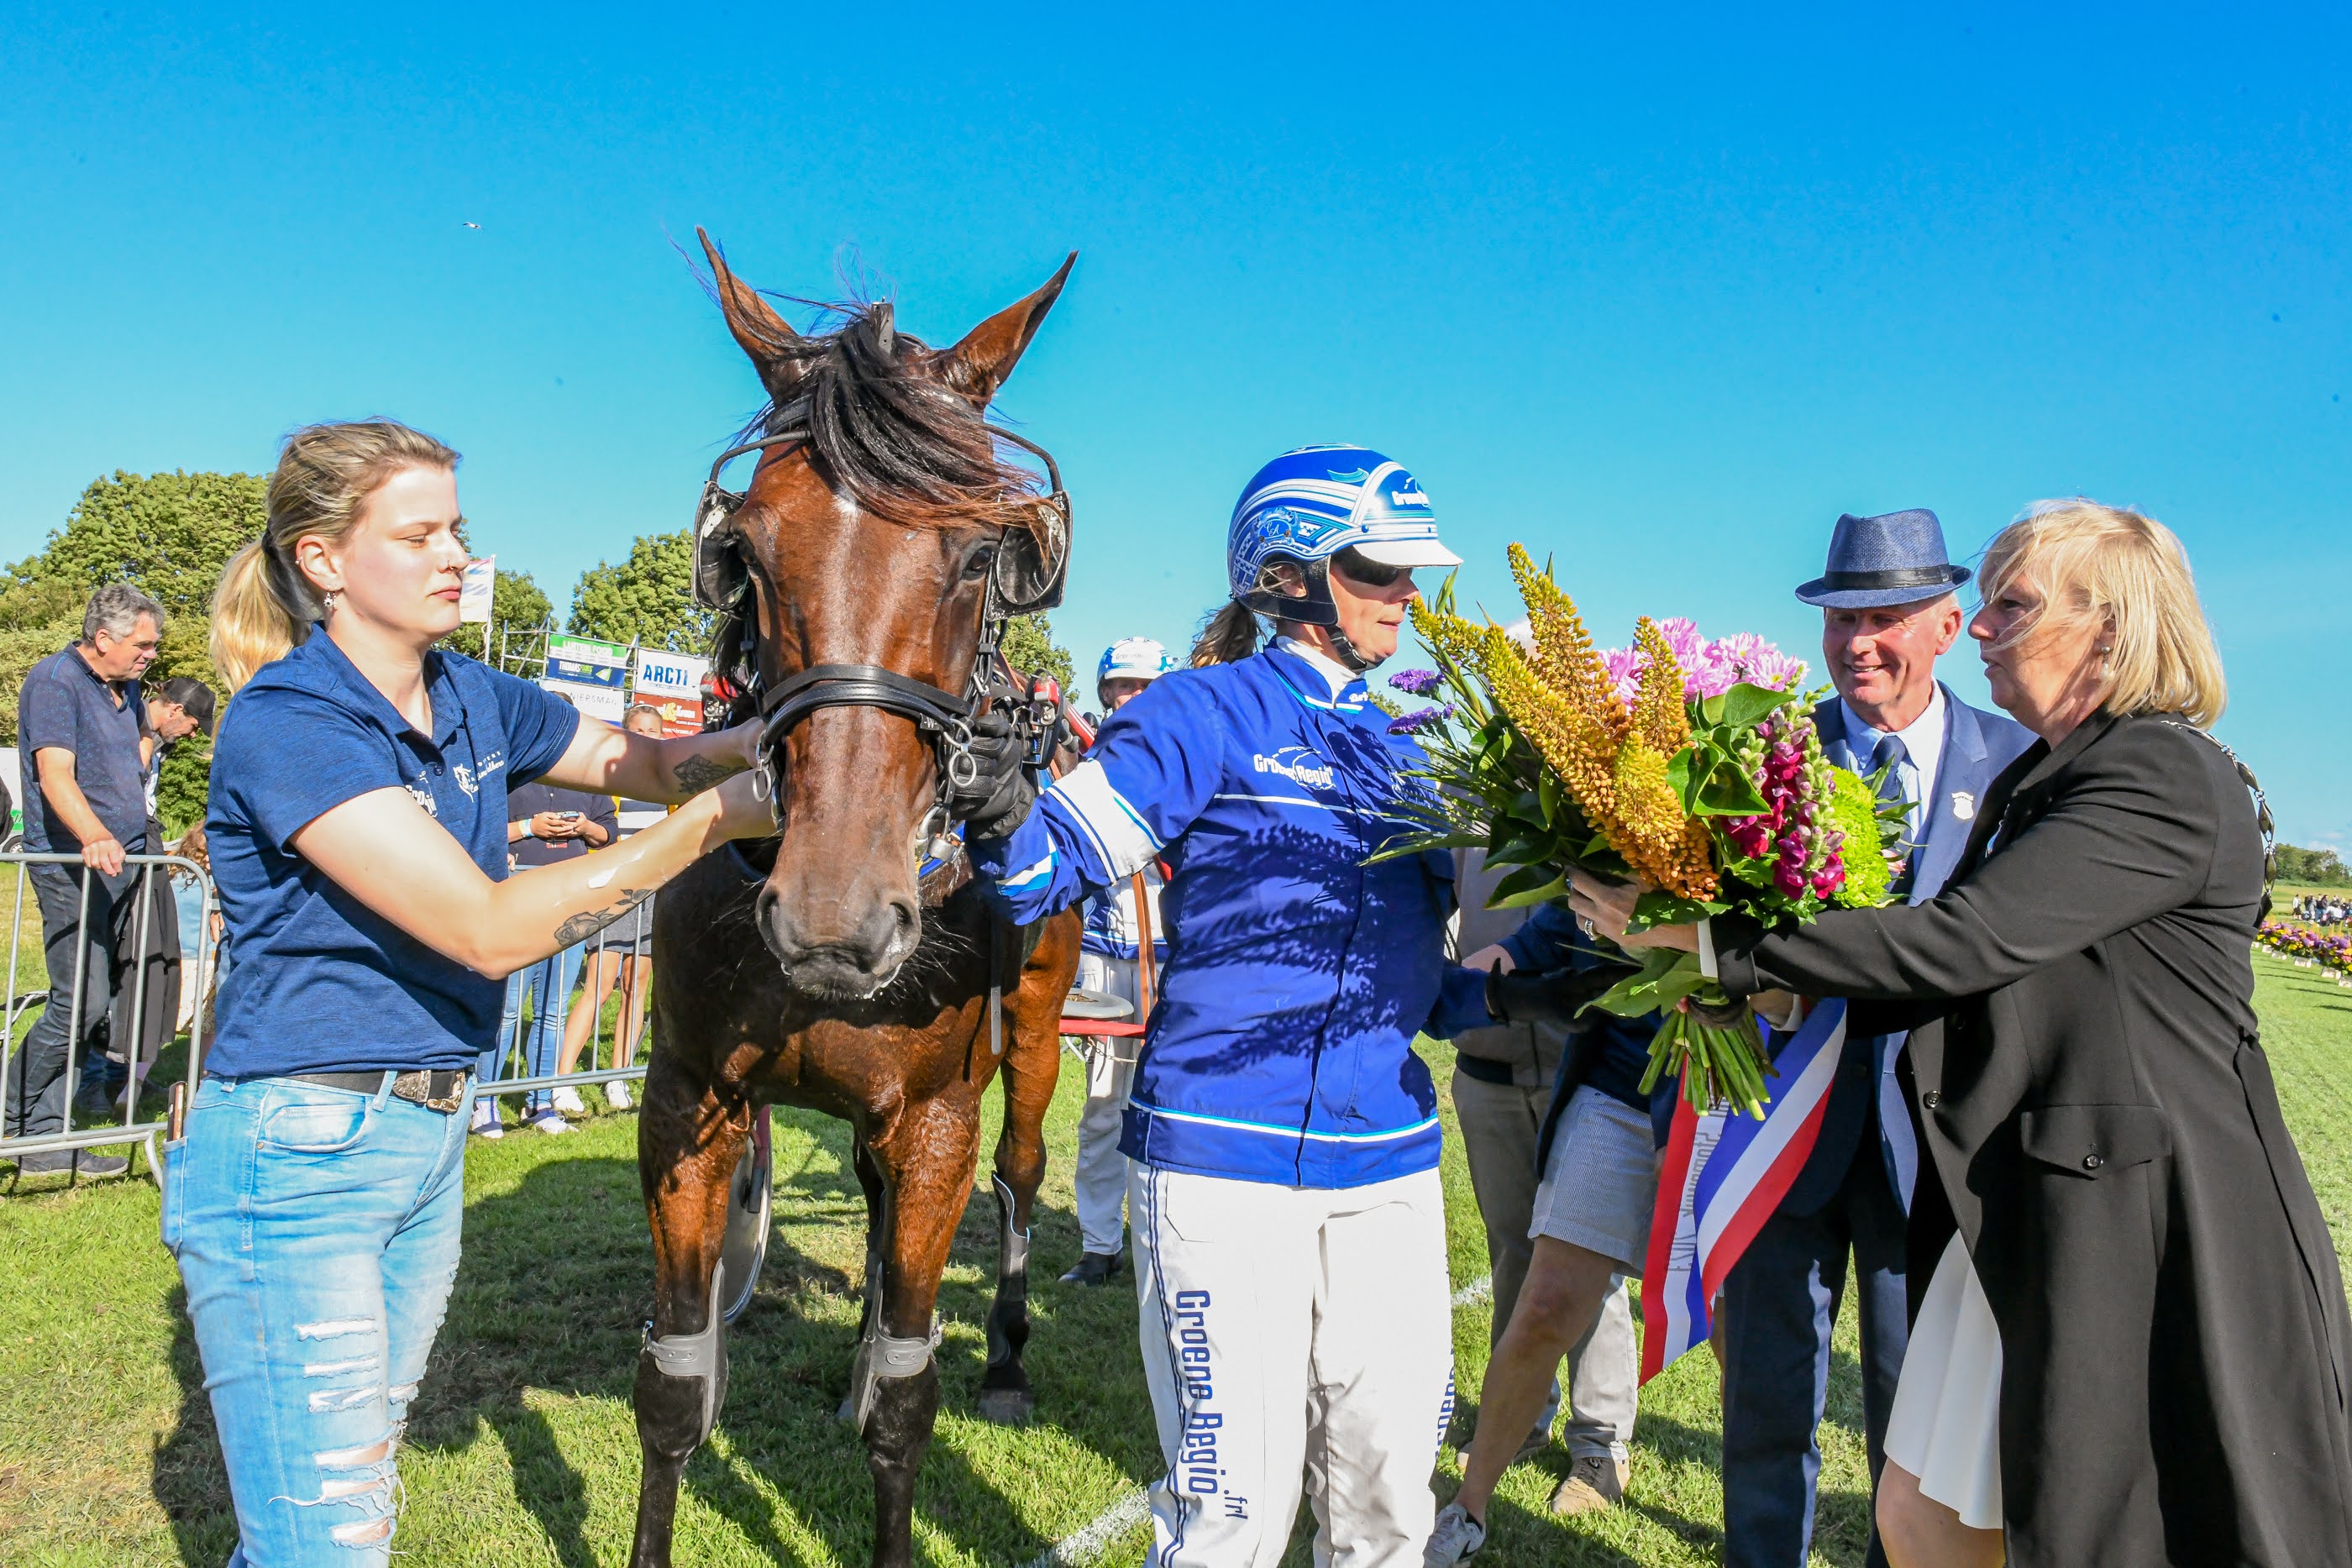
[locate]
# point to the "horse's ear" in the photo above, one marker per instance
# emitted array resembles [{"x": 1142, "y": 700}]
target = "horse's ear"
[
  {"x": 758, "y": 330},
  {"x": 979, "y": 365}
]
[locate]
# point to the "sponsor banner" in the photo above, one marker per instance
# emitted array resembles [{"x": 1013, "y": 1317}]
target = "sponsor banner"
[
  {"x": 584, "y": 662},
  {"x": 477, "y": 591},
  {"x": 672, "y": 683},
  {"x": 596, "y": 700}
]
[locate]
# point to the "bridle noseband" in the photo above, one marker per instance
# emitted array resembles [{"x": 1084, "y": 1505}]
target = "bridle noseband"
[{"x": 1027, "y": 576}]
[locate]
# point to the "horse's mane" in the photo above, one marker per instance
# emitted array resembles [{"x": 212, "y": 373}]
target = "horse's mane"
[{"x": 888, "y": 423}]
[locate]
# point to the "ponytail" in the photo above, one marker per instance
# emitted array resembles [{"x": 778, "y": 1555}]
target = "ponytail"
[
  {"x": 1227, "y": 636},
  {"x": 265, "y": 606}
]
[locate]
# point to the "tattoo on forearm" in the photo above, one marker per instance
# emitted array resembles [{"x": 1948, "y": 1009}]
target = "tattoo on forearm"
[
  {"x": 581, "y": 926},
  {"x": 696, "y": 774}
]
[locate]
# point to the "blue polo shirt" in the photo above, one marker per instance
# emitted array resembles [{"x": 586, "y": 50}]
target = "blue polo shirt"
[
  {"x": 66, "y": 707},
  {"x": 318, "y": 982}
]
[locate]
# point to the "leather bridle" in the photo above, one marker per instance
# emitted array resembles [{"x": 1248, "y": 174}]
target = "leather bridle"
[{"x": 1026, "y": 576}]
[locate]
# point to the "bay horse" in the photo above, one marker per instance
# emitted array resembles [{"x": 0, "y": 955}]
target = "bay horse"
[{"x": 848, "y": 965}]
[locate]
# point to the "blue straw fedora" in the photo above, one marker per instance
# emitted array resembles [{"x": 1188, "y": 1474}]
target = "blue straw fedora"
[{"x": 1897, "y": 558}]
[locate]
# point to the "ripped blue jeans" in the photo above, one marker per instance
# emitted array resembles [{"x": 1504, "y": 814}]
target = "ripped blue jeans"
[{"x": 316, "y": 1232}]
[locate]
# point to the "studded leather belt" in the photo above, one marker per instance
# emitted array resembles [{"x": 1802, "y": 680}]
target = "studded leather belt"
[{"x": 443, "y": 1091}]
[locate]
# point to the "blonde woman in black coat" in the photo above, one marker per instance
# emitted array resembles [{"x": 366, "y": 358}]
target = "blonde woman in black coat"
[{"x": 2132, "y": 1347}]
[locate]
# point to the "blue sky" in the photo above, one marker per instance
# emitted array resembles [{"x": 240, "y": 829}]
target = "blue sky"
[{"x": 1660, "y": 296}]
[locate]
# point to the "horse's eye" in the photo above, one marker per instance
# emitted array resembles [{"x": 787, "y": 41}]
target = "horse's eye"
[{"x": 981, "y": 559}]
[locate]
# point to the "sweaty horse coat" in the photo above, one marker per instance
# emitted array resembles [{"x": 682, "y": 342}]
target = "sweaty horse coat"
[{"x": 2106, "y": 1136}]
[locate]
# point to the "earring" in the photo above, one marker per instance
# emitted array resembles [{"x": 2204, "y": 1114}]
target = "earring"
[{"x": 334, "y": 596}]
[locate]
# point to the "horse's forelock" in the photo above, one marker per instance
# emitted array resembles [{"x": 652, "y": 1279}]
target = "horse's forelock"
[{"x": 887, "y": 429}]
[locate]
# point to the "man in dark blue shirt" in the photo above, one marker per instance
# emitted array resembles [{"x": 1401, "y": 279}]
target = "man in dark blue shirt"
[{"x": 79, "y": 717}]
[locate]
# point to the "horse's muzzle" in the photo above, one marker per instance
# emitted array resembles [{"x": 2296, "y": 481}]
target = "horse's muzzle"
[{"x": 845, "y": 964}]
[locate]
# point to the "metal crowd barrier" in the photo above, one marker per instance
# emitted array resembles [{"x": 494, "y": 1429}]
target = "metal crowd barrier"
[
  {"x": 196, "y": 981},
  {"x": 516, "y": 1045}
]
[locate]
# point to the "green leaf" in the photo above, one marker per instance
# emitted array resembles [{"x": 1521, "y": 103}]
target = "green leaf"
[
  {"x": 1659, "y": 907},
  {"x": 1729, "y": 792},
  {"x": 1548, "y": 797},
  {"x": 1528, "y": 884},
  {"x": 1745, "y": 705}
]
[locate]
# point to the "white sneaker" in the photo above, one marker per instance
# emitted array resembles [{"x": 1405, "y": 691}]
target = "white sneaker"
[
  {"x": 1455, "y": 1540},
  {"x": 550, "y": 1121},
  {"x": 617, "y": 1094},
  {"x": 486, "y": 1120},
  {"x": 568, "y": 1102}
]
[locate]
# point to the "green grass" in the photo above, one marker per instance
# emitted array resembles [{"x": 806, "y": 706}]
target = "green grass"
[{"x": 523, "y": 1449}]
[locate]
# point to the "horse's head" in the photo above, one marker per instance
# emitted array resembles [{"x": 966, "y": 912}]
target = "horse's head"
[{"x": 872, "y": 542}]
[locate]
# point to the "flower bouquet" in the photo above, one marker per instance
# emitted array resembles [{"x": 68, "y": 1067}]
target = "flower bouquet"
[{"x": 1691, "y": 763}]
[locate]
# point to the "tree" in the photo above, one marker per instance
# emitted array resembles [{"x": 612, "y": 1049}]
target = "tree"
[
  {"x": 516, "y": 604},
  {"x": 1029, "y": 647},
  {"x": 168, "y": 533},
  {"x": 647, "y": 599},
  {"x": 2312, "y": 868}
]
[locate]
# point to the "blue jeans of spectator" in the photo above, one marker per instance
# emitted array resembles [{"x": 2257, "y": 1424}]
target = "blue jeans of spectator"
[
  {"x": 316, "y": 1230},
  {"x": 76, "y": 936},
  {"x": 547, "y": 985}
]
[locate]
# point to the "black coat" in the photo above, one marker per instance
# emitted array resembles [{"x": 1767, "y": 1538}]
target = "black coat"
[{"x": 2085, "y": 1074}]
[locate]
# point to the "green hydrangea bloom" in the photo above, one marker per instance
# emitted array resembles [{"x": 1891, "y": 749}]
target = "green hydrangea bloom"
[{"x": 1853, "y": 812}]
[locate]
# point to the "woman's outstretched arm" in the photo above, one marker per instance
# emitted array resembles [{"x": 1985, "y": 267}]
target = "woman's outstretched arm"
[{"x": 382, "y": 850}]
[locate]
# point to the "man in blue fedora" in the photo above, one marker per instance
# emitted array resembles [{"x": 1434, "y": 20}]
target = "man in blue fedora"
[{"x": 1888, "y": 610}]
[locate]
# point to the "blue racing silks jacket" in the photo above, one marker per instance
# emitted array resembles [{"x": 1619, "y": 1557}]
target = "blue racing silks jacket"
[{"x": 1281, "y": 1047}]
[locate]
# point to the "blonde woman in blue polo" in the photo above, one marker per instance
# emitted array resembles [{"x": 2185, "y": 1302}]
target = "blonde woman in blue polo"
[{"x": 358, "y": 834}]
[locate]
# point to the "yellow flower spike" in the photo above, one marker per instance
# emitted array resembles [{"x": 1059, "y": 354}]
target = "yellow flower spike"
[
  {"x": 1659, "y": 715},
  {"x": 1452, "y": 636},
  {"x": 1564, "y": 735},
  {"x": 1564, "y": 656},
  {"x": 1651, "y": 811}
]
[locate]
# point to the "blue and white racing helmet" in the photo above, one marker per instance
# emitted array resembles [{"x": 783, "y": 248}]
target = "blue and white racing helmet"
[
  {"x": 1309, "y": 505},
  {"x": 1133, "y": 659}
]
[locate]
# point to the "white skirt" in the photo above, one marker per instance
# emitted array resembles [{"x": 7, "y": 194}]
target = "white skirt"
[{"x": 1945, "y": 1427}]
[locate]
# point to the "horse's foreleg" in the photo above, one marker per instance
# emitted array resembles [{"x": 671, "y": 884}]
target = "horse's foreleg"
[
  {"x": 1030, "y": 1069},
  {"x": 877, "y": 1226},
  {"x": 688, "y": 1146},
  {"x": 927, "y": 1165}
]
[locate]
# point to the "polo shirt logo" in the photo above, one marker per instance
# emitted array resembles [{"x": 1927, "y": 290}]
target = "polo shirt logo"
[
  {"x": 464, "y": 777},
  {"x": 424, "y": 797}
]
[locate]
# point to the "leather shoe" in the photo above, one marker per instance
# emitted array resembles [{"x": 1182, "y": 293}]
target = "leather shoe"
[
  {"x": 1594, "y": 1481},
  {"x": 1096, "y": 1269},
  {"x": 82, "y": 1161}
]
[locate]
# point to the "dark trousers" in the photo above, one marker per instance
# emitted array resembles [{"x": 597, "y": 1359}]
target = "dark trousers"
[
  {"x": 80, "y": 939},
  {"x": 158, "y": 957},
  {"x": 1779, "y": 1305}
]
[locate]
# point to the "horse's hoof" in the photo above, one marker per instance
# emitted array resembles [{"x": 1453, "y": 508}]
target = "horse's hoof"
[{"x": 1007, "y": 1407}]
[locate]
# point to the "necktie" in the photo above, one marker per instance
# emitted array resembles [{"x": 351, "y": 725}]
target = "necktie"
[{"x": 1890, "y": 755}]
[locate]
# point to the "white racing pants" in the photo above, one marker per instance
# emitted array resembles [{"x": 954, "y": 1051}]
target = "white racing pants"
[
  {"x": 1293, "y": 1331},
  {"x": 1101, "y": 1171}
]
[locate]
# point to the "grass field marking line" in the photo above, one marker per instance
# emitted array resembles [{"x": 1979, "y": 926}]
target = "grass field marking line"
[{"x": 1134, "y": 1507}]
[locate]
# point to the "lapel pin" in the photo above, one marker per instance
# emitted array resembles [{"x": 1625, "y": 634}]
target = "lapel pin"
[{"x": 1963, "y": 805}]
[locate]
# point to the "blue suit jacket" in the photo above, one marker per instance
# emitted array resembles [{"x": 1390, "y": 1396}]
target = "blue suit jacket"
[{"x": 1977, "y": 746}]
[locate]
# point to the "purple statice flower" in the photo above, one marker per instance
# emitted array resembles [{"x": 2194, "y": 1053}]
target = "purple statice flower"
[
  {"x": 1415, "y": 682},
  {"x": 1414, "y": 722}
]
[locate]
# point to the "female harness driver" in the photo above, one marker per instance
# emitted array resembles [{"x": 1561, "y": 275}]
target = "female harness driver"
[{"x": 1290, "y": 1236}]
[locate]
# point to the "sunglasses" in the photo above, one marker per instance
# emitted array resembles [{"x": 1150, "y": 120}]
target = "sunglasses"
[{"x": 1359, "y": 567}]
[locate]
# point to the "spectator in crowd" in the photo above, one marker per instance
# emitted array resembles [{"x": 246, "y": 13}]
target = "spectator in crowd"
[
  {"x": 1111, "y": 961},
  {"x": 1596, "y": 1165},
  {"x": 546, "y": 825},
  {"x": 78, "y": 718},
  {"x": 180, "y": 708},
  {"x": 1888, "y": 611},
  {"x": 2131, "y": 1346},
  {"x": 623, "y": 951},
  {"x": 358, "y": 829},
  {"x": 1289, "y": 1223},
  {"x": 1504, "y": 1079}
]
